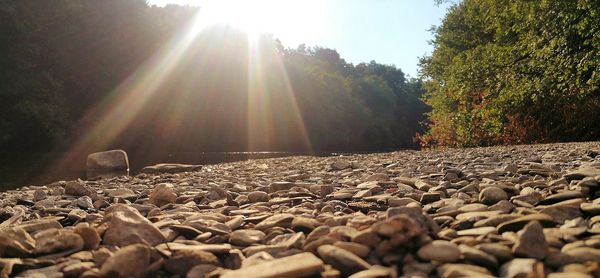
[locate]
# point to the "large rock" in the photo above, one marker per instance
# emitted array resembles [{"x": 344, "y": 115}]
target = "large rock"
[
  {"x": 125, "y": 226},
  {"x": 107, "y": 164}
]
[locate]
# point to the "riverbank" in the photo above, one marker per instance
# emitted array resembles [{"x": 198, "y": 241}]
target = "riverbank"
[{"x": 498, "y": 211}]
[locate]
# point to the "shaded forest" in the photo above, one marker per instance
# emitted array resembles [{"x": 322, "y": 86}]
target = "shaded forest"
[
  {"x": 80, "y": 76},
  {"x": 506, "y": 72}
]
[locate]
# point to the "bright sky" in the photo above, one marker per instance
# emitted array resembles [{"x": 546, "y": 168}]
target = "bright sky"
[{"x": 387, "y": 31}]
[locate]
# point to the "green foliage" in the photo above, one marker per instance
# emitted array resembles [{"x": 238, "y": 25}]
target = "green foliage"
[{"x": 514, "y": 72}]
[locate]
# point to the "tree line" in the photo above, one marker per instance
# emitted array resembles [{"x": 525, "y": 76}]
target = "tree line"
[{"x": 506, "y": 72}]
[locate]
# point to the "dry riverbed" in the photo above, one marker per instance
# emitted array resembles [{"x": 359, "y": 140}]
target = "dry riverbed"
[{"x": 502, "y": 211}]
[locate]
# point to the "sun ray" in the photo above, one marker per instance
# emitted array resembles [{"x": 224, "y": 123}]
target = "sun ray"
[{"x": 131, "y": 96}]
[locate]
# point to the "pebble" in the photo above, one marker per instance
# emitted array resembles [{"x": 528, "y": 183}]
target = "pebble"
[
  {"x": 441, "y": 251},
  {"x": 346, "y": 262},
  {"x": 492, "y": 195},
  {"x": 509, "y": 211},
  {"x": 131, "y": 261}
]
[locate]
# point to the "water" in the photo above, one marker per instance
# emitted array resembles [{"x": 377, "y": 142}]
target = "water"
[{"x": 18, "y": 169}]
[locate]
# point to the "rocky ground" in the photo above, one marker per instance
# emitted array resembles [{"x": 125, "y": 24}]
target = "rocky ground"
[{"x": 516, "y": 211}]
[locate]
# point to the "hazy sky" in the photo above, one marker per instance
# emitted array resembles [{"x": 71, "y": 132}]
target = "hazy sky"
[{"x": 387, "y": 31}]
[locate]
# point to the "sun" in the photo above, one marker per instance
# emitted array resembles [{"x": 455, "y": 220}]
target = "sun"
[{"x": 292, "y": 21}]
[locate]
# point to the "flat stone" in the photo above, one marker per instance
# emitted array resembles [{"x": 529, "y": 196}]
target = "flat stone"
[
  {"x": 346, "y": 262},
  {"x": 582, "y": 172},
  {"x": 427, "y": 198},
  {"x": 517, "y": 268},
  {"x": 124, "y": 193},
  {"x": 477, "y": 256},
  {"x": 501, "y": 252},
  {"x": 182, "y": 261},
  {"x": 560, "y": 214},
  {"x": 280, "y": 220},
  {"x": 246, "y": 237},
  {"x": 440, "y": 250},
  {"x": 476, "y": 231},
  {"x": 299, "y": 265},
  {"x": 584, "y": 254},
  {"x": 517, "y": 224},
  {"x": 590, "y": 208},
  {"x": 170, "y": 168},
  {"x": 559, "y": 197},
  {"x": 54, "y": 241}
]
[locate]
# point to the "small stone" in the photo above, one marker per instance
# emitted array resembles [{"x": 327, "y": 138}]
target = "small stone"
[
  {"x": 584, "y": 254},
  {"x": 246, "y": 237},
  {"x": 85, "y": 202},
  {"x": 39, "y": 195},
  {"x": 131, "y": 261},
  {"x": 343, "y": 260},
  {"x": 517, "y": 268},
  {"x": 440, "y": 250},
  {"x": 201, "y": 270},
  {"x": 492, "y": 195},
  {"x": 477, "y": 256},
  {"x": 517, "y": 224},
  {"x": 281, "y": 185},
  {"x": 75, "y": 270},
  {"x": 356, "y": 248},
  {"x": 124, "y": 193},
  {"x": 77, "y": 188},
  {"x": 182, "y": 261},
  {"x": 501, "y": 252},
  {"x": 126, "y": 226},
  {"x": 590, "y": 208},
  {"x": 299, "y": 265},
  {"x": 258, "y": 196},
  {"x": 91, "y": 239},
  {"x": 162, "y": 194},
  {"x": 54, "y": 241},
  {"x": 341, "y": 165},
  {"x": 281, "y": 220},
  {"x": 427, "y": 198},
  {"x": 531, "y": 242},
  {"x": 559, "y": 197}
]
